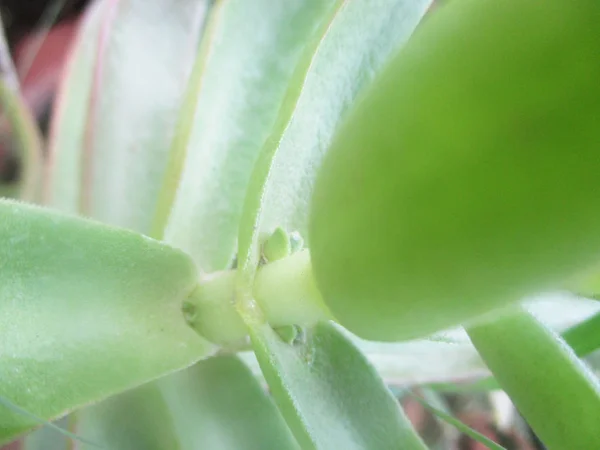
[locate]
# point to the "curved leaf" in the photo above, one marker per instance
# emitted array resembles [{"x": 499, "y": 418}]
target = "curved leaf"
[
  {"x": 135, "y": 420},
  {"x": 553, "y": 390},
  {"x": 86, "y": 311},
  {"x": 352, "y": 48},
  {"x": 584, "y": 338},
  {"x": 425, "y": 213},
  {"x": 218, "y": 404},
  {"x": 117, "y": 110},
  {"x": 329, "y": 394},
  {"x": 47, "y": 438},
  {"x": 448, "y": 360},
  {"x": 247, "y": 60}
]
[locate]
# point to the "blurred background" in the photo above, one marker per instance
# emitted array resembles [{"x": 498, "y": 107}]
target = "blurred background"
[{"x": 39, "y": 34}]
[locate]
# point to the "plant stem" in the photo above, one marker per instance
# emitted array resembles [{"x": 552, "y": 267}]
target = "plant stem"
[
  {"x": 22, "y": 122},
  {"x": 284, "y": 290}
]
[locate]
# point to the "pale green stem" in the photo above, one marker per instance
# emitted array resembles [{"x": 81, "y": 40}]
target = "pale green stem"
[
  {"x": 22, "y": 123},
  {"x": 284, "y": 290}
]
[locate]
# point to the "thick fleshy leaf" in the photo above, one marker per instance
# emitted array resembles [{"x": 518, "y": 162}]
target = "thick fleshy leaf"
[
  {"x": 118, "y": 107},
  {"x": 86, "y": 311},
  {"x": 553, "y": 390},
  {"x": 218, "y": 404},
  {"x": 355, "y": 44},
  {"x": 136, "y": 420},
  {"x": 584, "y": 338},
  {"x": 448, "y": 358},
  {"x": 248, "y": 56},
  {"x": 330, "y": 396},
  {"x": 426, "y": 213}
]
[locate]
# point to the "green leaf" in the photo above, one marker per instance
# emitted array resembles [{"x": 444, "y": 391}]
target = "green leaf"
[
  {"x": 584, "y": 338},
  {"x": 86, "y": 311},
  {"x": 135, "y": 420},
  {"x": 117, "y": 108},
  {"x": 218, "y": 404},
  {"x": 330, "y": 396},
  {"x": 247, "y": 58},
  {"x": 448, "y": 361},
  {"x": 439, "y": 198},
  {"x": 553, "y": 390},
  {"x": 352, "y": 46},
  {"x": 64, "y": 172},
  {"x": 47, "y": 438}
]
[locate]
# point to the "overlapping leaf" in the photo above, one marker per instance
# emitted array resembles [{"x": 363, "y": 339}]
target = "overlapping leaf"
[
  {"x": 553, "y": 390},
  {"x": 118, "y": 107},
  {"x": 86, "y": 311},
  {"x": 248, "y": 56},
  {"x": 329, "y": 394},
  {"x": 219, "y": 404}
]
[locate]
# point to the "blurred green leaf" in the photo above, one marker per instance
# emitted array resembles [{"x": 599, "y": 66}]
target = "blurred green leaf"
[
  {"x": 553, "y": 390},
  {"x": 135, "y": 420},
  {"x": 64, "y": 171},
  {"x": 248, "y": 56},
  {"x": 48, "y": 438},
  {"x": 86, "y": 311},
  {"x": 339, "y": 62},
  {"x": 117, "y": 109},
  {"x": 584, "y": 338},
  {"x": 448, "y": 361},
  {"x": 426, "y": 213},
  {"x": 218, "y": 404},
  {"x": 329, "y": 394}
]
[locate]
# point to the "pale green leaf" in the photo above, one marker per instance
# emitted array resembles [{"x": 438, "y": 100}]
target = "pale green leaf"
[
  {"x": 553, "y": 390},
  {"x": 218, "y": 404},
  {"x": 86, "y": 311},
  {"x": 352, "y": 48},
  {"x": 248, "y": 55},
  {"x": 67, "y": 129},
  {"x": 117, "y": 110},
  {"x": 47, "y": 438},
  {"x": 136, "y": 420},
  {"x": 448, "y": 358},
  {"x": 329, "y": 394}
]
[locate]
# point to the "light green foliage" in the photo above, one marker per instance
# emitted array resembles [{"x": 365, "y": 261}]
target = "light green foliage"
[
  {"x": 136, "y": 420},
  {"x": 218, "y": 404},
  {"x": 86, "y": 311},
  {"x": 47, "y": 438},
  {"x": 446, "y": 192},
  {"x": 249, "y": 53},
  {"x": 67, "y": 134},
  {"x": 349, "y": 49},
  {"x": 123, "y": 89},
  {"x": 466, "y": 177},
  {"x": 551, "y": 387},
  {"x": 329, "y": 394}
]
